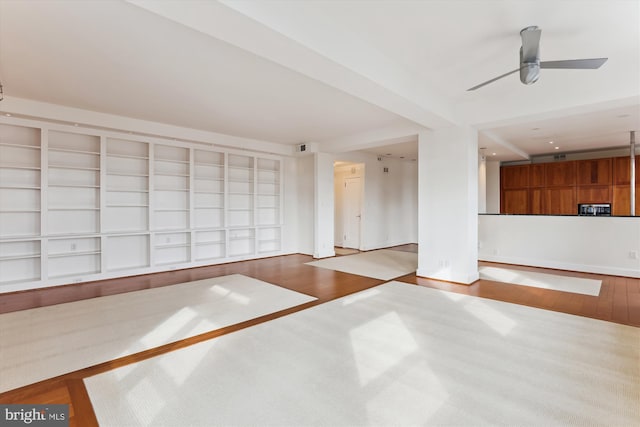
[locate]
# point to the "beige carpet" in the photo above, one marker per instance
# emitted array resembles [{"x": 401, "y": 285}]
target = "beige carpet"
[
  {"x": 45, "y": 342},
  {"x": 397, "y": 354},
  {"x": 576, "y": 285},
  {"x": 383, "y": 264},
  {"x": 345, "y": 251}
]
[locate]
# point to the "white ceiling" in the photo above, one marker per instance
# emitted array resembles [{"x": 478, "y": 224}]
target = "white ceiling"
[{"x": 323, "y": 71}]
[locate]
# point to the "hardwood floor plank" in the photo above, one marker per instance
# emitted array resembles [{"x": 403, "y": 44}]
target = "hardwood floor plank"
[{"x": 83, "y": 414}]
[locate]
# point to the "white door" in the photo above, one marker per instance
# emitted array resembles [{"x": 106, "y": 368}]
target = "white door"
[{"x": 352, "y": 213}]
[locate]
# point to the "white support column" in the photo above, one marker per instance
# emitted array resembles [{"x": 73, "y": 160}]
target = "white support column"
[
  {"x": 482, "y": 183},
  {"x": 448, "y": 204},
  {"x": 323, "y": 206}
]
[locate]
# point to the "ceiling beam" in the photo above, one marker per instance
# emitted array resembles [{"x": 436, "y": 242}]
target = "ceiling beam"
[
  {"x": 498, "y": 140},
  {"x": 395, "y": 91},
  {"x": 387, "y": 135}
]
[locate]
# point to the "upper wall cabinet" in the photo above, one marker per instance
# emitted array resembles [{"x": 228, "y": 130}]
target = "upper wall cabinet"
[
  {"x": 622, "y": 170},
  {"x": 561, "y": 174},
  {"x": 536, "y": 175},
  {"x": 515, "y": 177},
  {"x": 594, "y": 172}
]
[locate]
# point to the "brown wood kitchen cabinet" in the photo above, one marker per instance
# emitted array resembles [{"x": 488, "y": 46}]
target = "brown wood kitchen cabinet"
[
  {"x": 561, "y": 201},
  {"x": 557, "y": 188},
  {"x": 515, "y": 201},
  {"x": 561, "y": 174},
  {"x": 515, "y": 177},
  {"x": 594, "y": 172}
]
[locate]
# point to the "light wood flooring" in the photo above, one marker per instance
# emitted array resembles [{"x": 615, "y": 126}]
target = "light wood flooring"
[{"x": 619, "y": 301}]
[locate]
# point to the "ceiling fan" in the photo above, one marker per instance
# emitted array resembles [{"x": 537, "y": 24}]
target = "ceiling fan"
[{"x": 530, "y": 63}]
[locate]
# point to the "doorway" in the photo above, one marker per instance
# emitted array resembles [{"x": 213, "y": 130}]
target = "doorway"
[{"x": 348, "y": 183}]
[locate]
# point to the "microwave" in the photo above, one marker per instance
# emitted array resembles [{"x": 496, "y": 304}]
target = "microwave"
[{"x": 594, "y": 209}]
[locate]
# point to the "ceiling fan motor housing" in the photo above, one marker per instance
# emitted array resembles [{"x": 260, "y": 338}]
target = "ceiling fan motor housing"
[{"x": 529, "y": 71}]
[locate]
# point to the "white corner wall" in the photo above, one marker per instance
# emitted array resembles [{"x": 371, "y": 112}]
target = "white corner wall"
[
  {"x": 492, "y": 186},
  {"x": 605, "y": 245},
  {"x": 306, "y": 204}
]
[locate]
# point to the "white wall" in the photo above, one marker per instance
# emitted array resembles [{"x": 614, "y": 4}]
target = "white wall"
[
  {"x": 323, "y": 221},
  {"x": 492, "y": 186},
  {"x": 591, "y": 244},
  {"x": 482, "y": 185},
  {"x": 305, "y": 206}
]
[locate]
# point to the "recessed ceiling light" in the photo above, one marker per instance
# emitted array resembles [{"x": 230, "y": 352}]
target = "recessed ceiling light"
[
  {"x": 550, "y": 142},
  {"x": 557, "y": 148},
  {"x": 7, "y": 114},
  {"x": 75, "y": 124},
  {"x": 493, "y": 154}
]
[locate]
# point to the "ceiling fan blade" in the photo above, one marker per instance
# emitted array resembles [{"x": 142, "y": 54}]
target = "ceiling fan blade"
[
  {"x": 576, "y": 64},
  {"x": 493, "y": 80},
  {"x": 530, "y": 44}
]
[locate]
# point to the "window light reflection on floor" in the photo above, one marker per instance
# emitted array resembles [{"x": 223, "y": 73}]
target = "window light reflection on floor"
[
  {"x": 190, "y": 362},
  {"x": 234, "y": 296},
  {"x": 490, "y": 316},
  {"x": 169, "y": 327},
  {"x": 379, "y": 345},
  {"x": 416, "y": 387},
  {"x": 360, "y": 296}
]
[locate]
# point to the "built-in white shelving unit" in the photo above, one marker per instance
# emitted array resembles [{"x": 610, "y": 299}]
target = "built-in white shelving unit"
[
  {"x": 126, "y": 218},
  {"x": 171, "y": 190},
  {"x": 209, "y": 205},
  {"x": 241, "y": 202},
  {"x": 20, "y": 201},
  {"x": 79, "y": 205},
  {"x": 73, "y": 204},
  {"x": 268, "y": 205}
]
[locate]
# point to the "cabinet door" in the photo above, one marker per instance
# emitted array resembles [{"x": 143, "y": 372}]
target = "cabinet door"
[
  {"x": 536, "y": 175},
  {"x": 515, "y": 201},
  {"x": 594, "y": 194},
  {"x": 561, "y": 201},
  {"x": 622, "y": 170},
  {"x": 562, "y": 174},
  {"x": 537, "y": 201},
  {"x": 594, "y": 172},
  {"x": 621, "y": 199},
  {"x": 515, "y": 176}
]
